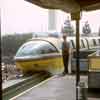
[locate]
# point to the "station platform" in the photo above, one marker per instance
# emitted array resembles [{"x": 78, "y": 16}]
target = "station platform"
[{"x": 55, "y": 88}]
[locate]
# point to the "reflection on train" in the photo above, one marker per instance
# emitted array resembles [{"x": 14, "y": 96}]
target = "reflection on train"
[{"x": 44, "y": 54}]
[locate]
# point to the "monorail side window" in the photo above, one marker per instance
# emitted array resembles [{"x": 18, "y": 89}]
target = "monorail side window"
[
  {"x": 91, "y": 44},
  {"x": 83, "y": 45},
  {"x": 34, "y": 48},
  {"x": 47, "y": 48},
  {"x": 94, "y": 42},
  {"x": 99, "y": 41},
  {"x": 73, "y": 45}
]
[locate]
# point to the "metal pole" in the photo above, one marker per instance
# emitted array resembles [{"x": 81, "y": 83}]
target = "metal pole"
[
  {"x": 77, "y": 53},
  {"x": 76, "y": 16},
  {"x": 77, "y": 59},
  {"x": 81, "y": 92}
]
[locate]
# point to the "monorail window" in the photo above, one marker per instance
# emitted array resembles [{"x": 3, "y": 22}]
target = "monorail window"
[
  {"x": 85, "y": 43},
  {"x": 91, "y": 44},
  {"x": 34, "y": 48},
  {"x": 73, "y": 45},
  {"x": 82, "y": 43},
  {"x": 94, "y": 42},
  {"x": 99, "y": 41}
]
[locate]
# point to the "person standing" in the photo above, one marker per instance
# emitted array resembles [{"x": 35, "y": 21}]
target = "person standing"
[{"x": 65, "y": 53}]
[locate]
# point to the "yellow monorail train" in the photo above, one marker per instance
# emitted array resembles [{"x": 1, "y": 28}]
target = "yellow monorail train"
[
  {"x": 40, "y": 55},
  {"x": 45, "y": 54}
]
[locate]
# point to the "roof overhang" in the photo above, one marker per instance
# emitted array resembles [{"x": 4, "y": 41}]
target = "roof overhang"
[{"x": 70, "y": 6}]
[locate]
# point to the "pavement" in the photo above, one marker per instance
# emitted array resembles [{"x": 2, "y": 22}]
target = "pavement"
[{"x": 55, "y": 88}]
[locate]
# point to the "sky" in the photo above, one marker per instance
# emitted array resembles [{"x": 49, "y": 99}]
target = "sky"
[{"x": 20, "y": 16}]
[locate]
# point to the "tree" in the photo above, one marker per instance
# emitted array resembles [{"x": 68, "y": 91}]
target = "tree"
[
  {"x": 86, "y": 29},
  {"x": 11, "y": 43},
  {"x": 68, "y": 28}
]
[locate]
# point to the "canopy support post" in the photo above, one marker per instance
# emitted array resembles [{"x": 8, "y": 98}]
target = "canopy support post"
[
  {"x": 77, "y": 53},
  {"x": 76, "y": 16}
]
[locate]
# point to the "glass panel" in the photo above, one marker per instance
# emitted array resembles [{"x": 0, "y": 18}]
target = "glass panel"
[
  {"x": 94, "y": 42},
  {"x": 83, "y": 45},
  {"x": 72, "y": 43},
  {"x": 33, "y": 48},
  {"x": 91, "y": 43},
  {"x": 99, "y": 41}
]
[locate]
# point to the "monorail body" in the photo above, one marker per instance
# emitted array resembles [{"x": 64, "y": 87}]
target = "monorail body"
[
  {"x": 44, "y": 54},
  {"x": 94, "y": 70},
  {"x": 40, "y": 55}
]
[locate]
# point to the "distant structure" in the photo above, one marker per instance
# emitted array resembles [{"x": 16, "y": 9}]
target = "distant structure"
[
  {"x": 86, "y": 29},
  {"x": 40, "y": 34},
  {"x": 51, "y": 20},
  {"x": 99, "y": 32},
  {"x": 54, "y": 34},
  {"x": 67, "y": 28}
]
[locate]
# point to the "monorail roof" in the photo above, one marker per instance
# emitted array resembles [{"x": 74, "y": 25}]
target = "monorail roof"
[{"x": 70, "y": 6}]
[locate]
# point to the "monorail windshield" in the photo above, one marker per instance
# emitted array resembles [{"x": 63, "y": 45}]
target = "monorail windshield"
[{"x": 33, "y": 48}]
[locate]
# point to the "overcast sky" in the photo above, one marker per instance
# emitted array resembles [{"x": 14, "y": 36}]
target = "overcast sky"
[{"x": 21, "y": 16}]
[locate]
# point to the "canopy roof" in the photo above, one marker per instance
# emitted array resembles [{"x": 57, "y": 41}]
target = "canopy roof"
[{"x": 70, "y": 6}]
